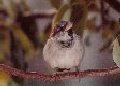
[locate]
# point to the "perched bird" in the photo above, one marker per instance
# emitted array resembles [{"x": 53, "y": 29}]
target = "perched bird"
[{"x": 64, "y": 49}]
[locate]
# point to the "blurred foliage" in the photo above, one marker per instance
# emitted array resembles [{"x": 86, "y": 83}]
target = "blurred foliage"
[
  {"x": 45, "y": 34},
  {"x": 59, "y": 15},
  {"x": 4, "y": 76},
  {"x": 56, "y": 3},
  {"x": 116, "y": 51},
  {"x": 24, "y": 40},
  {"x": 109, "y": 31},
  {"x": 4, "y": 43},
  {"x": 79, "y": 17},
  {"x": 25, "y": 6},
  {"x": 18, "y": 47},
  {"x": 8, "y": 24},
  {"x": 13, "y": 6},
  {"x": 4, "y": 79}
]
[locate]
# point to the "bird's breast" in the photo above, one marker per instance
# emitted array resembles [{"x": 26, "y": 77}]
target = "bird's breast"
[
  {"x": 65, "y": 43},
  {"x": 59, "y": 54}
]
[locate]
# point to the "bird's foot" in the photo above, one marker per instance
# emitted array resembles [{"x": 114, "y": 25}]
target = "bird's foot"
[
  {"x": 61, "y": 70},
  {"x": 77, "y": 70},
  {"x": 57, "y": 72},
  {"x": 56, "y": 76}
]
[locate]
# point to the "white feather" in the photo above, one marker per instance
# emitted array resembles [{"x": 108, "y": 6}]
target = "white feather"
[{"x": 57, "y": 56}]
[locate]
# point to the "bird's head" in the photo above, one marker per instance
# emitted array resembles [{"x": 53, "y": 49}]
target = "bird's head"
[
  {"x": 63, "y": 33},
  {"x": 62, "y": 27}
]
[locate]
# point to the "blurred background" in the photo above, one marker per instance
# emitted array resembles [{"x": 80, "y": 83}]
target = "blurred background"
[{"x": 25, "y": 26}]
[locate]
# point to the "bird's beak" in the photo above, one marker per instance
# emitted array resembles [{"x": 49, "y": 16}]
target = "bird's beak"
[
  {"x": 68, "y": 26},
  {"x": 53, "y": 33}
]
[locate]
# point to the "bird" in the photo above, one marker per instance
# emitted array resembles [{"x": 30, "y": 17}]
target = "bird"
[{"x": 64, "y": 49}]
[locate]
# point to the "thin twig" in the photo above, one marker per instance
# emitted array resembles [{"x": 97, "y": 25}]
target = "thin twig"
[
  {"x": 61, "y": 76},
  {"x": 39, "y": 15}
]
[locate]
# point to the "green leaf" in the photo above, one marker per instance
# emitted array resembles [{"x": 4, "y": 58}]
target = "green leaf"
[
  {"x": 56, "y": 3},
  {"x": 79, "y": 17},
  {"x": 116, "y": 52},
  {"x": 10, "y": 7},
  {"x": 59, "y": 15},
  {"x": 24, "y": 40},
  {"x": 24, "y": 5}
]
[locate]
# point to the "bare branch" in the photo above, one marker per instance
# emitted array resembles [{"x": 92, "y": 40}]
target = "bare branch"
[
  {"x": 61, "y": 76},
  {"x": 38, "y": 15}
]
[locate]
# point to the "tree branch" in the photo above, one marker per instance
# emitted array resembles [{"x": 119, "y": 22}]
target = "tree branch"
[
  {"x": 61, "y": 76},
  {"x": 39, "y": 15}
]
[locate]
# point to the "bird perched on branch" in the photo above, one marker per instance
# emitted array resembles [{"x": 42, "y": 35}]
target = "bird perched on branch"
[{"x": 64, "y": 49}]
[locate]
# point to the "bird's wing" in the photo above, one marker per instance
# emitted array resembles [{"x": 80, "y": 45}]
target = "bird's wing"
[
  {"x": 47, "y": 50},
  {"x": 77, "y": 50}
]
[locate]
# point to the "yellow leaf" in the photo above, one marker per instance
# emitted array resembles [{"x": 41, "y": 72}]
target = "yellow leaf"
[
  {"x": 79, "y": 18},
  {"x": 25, "y": 5},
  {"x": 4, "y": 76},
  {"x": 24, "y": 40},
  {"x": 10, "y": 7},
  {"x": 116, "y": 52},
  {"x": 4, "y": 79},
  {"x": 56, "y": 3},
  {"x": 59, "y": 15},
  {"x": 106, "y": 32}
]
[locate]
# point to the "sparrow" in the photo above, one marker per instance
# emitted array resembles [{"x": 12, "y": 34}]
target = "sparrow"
[{"x": 64, "y": 49}]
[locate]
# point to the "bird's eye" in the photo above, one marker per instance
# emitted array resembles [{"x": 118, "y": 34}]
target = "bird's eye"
[{"x": 59, "y": 28}]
